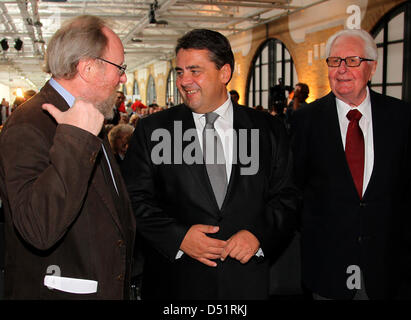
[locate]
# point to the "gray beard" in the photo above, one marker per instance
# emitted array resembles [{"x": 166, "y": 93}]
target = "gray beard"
[{"x": 106, "y": 106}]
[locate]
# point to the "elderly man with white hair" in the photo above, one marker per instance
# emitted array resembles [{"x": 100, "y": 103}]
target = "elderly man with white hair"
[{"x": 352, "y": 163}]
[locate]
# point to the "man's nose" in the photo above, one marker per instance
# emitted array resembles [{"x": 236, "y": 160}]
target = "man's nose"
[
  {"x": 343, "y": 66},
  {"x": 185, "y": 79},
  {"x": 123, "y": 78}
]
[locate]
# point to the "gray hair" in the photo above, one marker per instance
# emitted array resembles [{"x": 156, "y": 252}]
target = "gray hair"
[
  {"x": 370, "y": 48},
  {"x": 118, "y": 131},
  {"x": 79, "y": 38}
]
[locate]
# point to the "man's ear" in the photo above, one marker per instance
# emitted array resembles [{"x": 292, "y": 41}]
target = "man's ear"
[
  {"x": 225, "y": 73},
  {"x": 86, "y": 69},
  {"x": 373, "y": 69}
]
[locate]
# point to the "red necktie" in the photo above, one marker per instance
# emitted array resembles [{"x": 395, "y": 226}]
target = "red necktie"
[{"x": 354, "y": 149}]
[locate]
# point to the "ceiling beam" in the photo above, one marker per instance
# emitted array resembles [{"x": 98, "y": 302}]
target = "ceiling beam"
[
  {"x": 248, "y": 4},
  {"x": 10, "y": 24}
]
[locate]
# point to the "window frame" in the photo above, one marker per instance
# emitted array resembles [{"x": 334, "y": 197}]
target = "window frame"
[
  {"x": 171, "y": 79},
  {"x": 151, "y": 90},
  {"x": 382, "y": 26},
  {"x": 272, "y": 71}
]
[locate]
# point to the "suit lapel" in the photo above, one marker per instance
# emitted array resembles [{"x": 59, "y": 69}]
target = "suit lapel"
[
  {"x": 328, "y": 116},
  {"x": 103, "y": 184},
  {"x": 240, "y": 121},
  {"x": 381, "y": 138}
]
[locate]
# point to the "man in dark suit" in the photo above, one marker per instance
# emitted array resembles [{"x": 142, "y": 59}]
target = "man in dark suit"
[
  {"x": 210, "y": 228},
  {"x": 69, "y": 224},
  {"x": 352, "y": 163}
]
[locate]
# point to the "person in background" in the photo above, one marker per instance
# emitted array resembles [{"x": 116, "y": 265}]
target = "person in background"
[
  {"x": 133, "y": 119},
  {"x": 119, "y": 137},
  {"x": 5, "y": 110},
  {"x": 277, "y": 94},
  {"x": 120, "y": 102},
  {"x": 137, "y": 106},
  {"x": 301, "y": 93},
  {"x": 235, "y": 97}
]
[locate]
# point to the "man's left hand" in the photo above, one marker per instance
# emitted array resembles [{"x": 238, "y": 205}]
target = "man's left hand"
[{"x": 242, "y": 246}]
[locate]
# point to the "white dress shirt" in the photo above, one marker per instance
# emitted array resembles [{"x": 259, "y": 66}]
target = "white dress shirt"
[
  {"x": 224, "y": 127},
  {"x": 366, "y": 127}
]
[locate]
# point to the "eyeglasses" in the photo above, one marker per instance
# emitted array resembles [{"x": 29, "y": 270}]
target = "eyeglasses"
[
  {"x": 121, "y": 69},
  {"x": 349, "y": 61}
]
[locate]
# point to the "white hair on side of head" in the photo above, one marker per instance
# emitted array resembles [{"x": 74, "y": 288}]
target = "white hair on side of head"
[
  {"x": 119, "y": 130},
  {"x": 370, "y": 48}
]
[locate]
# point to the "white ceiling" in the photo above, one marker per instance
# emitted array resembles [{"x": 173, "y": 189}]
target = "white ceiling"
[{"x": 34, "y": 22}]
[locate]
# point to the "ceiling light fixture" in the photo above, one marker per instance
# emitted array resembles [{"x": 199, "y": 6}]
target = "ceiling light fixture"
[
  {"x": 152, "y": 14},
  {"x": 18, "y": 44},
  {"x": 4, "y": 44}
]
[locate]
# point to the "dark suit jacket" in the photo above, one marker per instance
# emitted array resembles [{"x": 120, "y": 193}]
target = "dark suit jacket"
[
  {"x": 169, "y": 198},
  {"x": 339, "y": 229},
  {"x": 60, "y": 209}
]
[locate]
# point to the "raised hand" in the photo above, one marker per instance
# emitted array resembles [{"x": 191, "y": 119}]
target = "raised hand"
[
  {"x": 82, "y": 114},
  {"x": 199, "y": 246}
]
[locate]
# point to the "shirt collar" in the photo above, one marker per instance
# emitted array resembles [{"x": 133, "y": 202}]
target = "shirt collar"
[
  {"x": 223, "y": 111},
  {"x": 364, "y": 107},
  {"x": 63, "y": 92}
]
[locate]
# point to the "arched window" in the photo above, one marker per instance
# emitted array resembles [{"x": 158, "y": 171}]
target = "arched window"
[
  {"x": 136, "y": 90},
  {"x": 271, "y": 62},
  {"x": 172, "y": 94},
  {"x": 392, "y": 34},
  {"x": 151, "y": 91}
]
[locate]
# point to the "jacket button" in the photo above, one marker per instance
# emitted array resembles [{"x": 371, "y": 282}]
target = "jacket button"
[
  {"x": 363, "y": 204},
  {"x": 120, "y": 243},
  {"x": 120, "y": 277},
  {"x": 359, "y": 239}
]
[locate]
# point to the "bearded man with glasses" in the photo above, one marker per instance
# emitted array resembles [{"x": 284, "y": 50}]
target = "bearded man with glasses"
[
  {"x": 352, "y": 156},
  {"x": 69, "y": 226}
]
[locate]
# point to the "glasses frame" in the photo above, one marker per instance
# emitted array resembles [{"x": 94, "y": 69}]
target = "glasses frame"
[
  {"x": 121, "y": 69},
  {"x": 345, "y": 60}
]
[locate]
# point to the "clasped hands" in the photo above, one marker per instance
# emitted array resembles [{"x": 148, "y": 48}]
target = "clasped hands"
[{"x": 241, "y": 246}]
